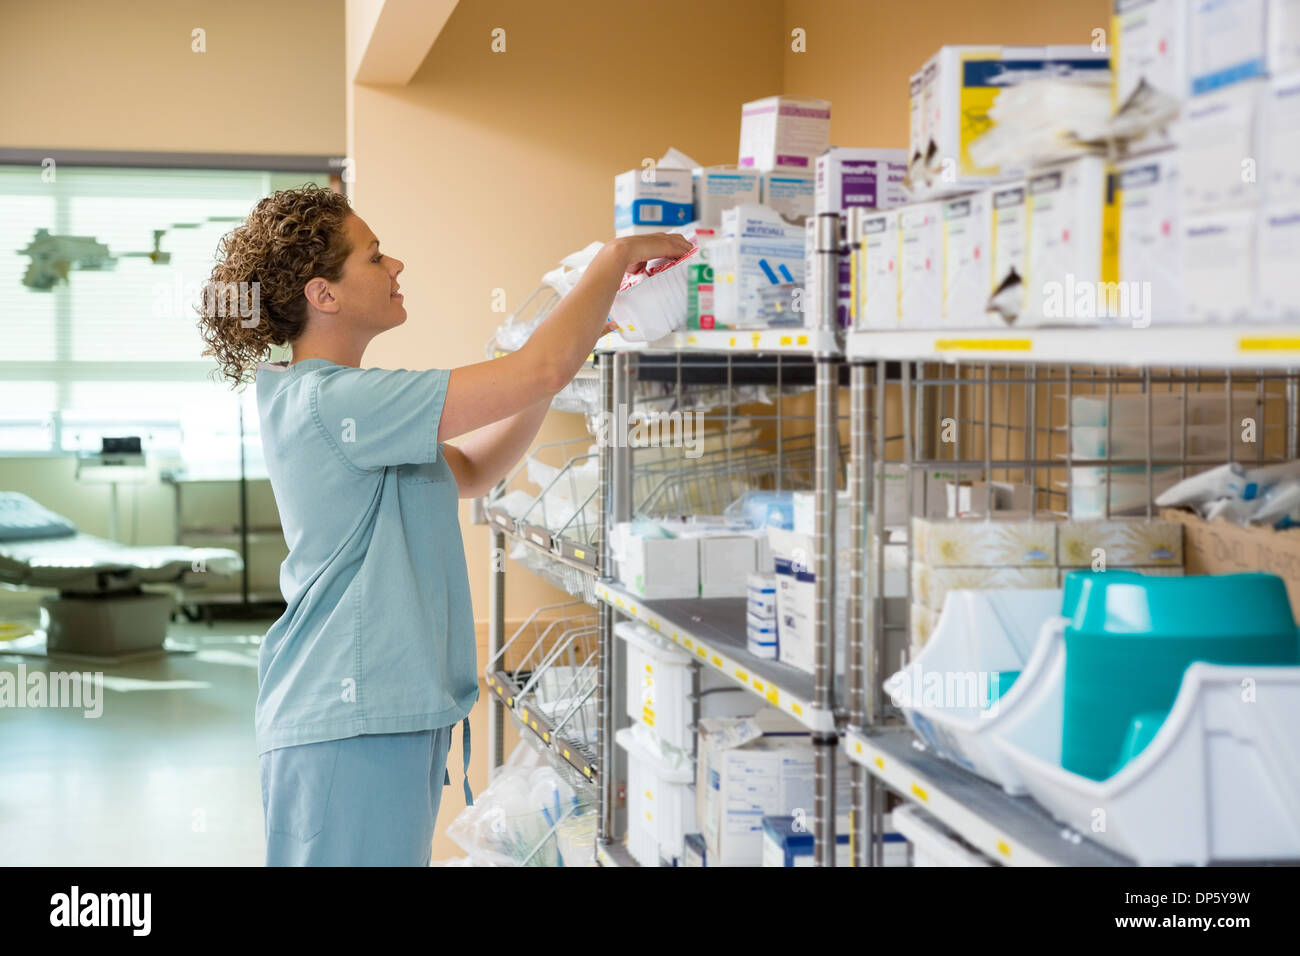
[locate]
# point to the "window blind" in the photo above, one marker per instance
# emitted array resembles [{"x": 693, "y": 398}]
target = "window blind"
[{"x": 117, "y": 351}]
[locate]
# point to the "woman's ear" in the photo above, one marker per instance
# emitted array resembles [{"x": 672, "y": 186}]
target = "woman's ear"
[{"x": 320, "y": 297}]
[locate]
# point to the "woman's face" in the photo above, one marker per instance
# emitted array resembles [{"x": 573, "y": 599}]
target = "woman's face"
[{"x": 368, "y": 288}]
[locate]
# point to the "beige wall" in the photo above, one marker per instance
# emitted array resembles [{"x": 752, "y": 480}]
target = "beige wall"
[
  {"x": 860, "y": 53},
  {"x": 84, "y": 74},
  {"x": 489, "y": 167}
]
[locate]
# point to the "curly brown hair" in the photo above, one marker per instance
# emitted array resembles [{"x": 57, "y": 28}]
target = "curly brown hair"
[{"x": 290, "y": 237}]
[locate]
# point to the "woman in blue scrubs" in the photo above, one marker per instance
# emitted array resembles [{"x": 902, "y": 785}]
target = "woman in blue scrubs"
[{"x": 363, "y": 679}]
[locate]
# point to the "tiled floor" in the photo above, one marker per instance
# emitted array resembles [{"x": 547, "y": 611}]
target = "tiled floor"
[{"x": 168, "y": 773}]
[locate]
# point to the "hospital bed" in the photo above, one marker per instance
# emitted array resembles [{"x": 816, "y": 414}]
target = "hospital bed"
[{"x": 102, "y": 607}]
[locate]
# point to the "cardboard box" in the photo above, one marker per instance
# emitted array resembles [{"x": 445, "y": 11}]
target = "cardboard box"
[
  {"x": 1146, "y": 203},
  {"x": 1277, "y": 244},
  {"x": 1010, "y": 216},
  {"x": 726, "y": 562},
  {"x": 784, "y": 132},
  {"x": 1218, "y": 250},
  {"x": 657, "y": 568},
  {"x": 973, "y": 497},
  {"x": 1218, "y": 136},
  {"x": 791, "y": 195},
  {"x": 1001, "y": 541},
  {"x": 1220, "y": 547},
  {"x": 930, "y": 586},
  {"x": 1065, "y": 263},
  {"x": 1148, "y": 42},
  {"x": 1124, "y": 542},
  {"x": 1227, "y": 43},
  {"x": 1280, "y": 137},
  {"x": 847, "y": 177},
  {"x": 747, "y": 770},
  {"x": 967, "y": 260},
  {"x": 742, "y": 268},
  {"x": 874, "y": 277},
  {"x": 1283, "y": 36},
  {"x": 664, "y": 202},
  {"x": 921, "y": 624},
  {"x": 958, "y": 86},
  {"x": 717, "y": 188},
  {"x": 796, "y": 598},
  {"x": 920, "y": 265}
]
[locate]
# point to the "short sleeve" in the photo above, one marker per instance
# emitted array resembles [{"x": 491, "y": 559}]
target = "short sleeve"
[{"x": 379, "y": 417}]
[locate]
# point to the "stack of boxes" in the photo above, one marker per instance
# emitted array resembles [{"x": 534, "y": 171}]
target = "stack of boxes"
[
  {"x": 686, "y": 559},
  {"x": 760, "y": 616},
  {"x": 1198, "y": 223},
  {"x": 1018, "y": 551}
]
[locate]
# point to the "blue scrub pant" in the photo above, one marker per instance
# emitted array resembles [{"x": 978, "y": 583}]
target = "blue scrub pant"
[{"x": 370, "y": 800}]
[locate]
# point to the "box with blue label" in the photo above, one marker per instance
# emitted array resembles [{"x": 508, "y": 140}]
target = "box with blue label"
[
  {"x": 788, "y": 841},
  {"x": 718, "y": 188},
  {"x": 652, "y": 199},
  {"x": 1227, "y": 43},
  {"x": 751, "y": 767},
  {"x": 793, "y": 195}
]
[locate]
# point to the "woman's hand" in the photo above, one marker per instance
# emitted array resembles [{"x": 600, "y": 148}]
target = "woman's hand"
[{"x": 637, "y": 251}]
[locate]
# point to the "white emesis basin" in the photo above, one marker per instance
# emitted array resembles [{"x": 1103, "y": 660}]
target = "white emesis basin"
[
  {"x": 1219, "y": 782},
  {"x": 944, "y": 691}
]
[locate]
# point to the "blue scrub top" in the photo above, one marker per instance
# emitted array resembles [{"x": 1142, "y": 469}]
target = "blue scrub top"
[{"x": 378, "y": 635}]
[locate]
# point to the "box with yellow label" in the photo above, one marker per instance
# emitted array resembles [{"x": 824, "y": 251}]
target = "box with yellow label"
[
  {"x": 1120, "y": 543},
  {"x": 1007, "y": 540}
]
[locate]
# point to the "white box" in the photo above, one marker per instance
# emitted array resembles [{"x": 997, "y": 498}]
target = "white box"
[
  {"x": 717, "y": 188},
  {"x": 1220, "y": 147},
  {"x": 1277, "y": 246},
  {"x": 656, "y": 568},
  {"x": 875, "y": 272},
  {"x": 915, "y": 127},
  {"x": 796, "y": 598},
  {"x": 972, "y": 497},
  {"x": 805, "y": 514},
  {"x": 726, "y": 562},
  {"x": 741, "y": 267},
  {"x": 761, "y": 596},
  {"x": 849, "y": 177},
  {"x": 659, "y": 800},
  {"x": 920, "y": 265},
  {"x": 1283, "y": 36},
  {"x": 1227, "y": 43},
  {"x": 967, "y": 260},
  {"x": 1010, "y": 217},
  {"x": 1280, "y": 140},
  {"x": 792, "y": 195},
  {"x": 1148, "y": 41},
  {"x": 784, "y": 132},
  {"x": 1005, "y": 540},
  {"x": 746, "y": 771},
  {"x": 1218, "y": 259},
  {"x": 960, "y": 83},
  {"x": 1065, "y": 262},
  {"x": 756, "y": 221},
  {"x": 789, "y": 842},
  {"x": 1146, "y": 195},
  {"x": 664, "y": 202}
]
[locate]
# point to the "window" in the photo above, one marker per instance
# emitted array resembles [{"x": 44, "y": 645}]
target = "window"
[{"x": 116, "y": 350}]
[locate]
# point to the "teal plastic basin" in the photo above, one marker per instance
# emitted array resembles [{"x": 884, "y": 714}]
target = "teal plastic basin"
[{"x": 1131, "y": 638}]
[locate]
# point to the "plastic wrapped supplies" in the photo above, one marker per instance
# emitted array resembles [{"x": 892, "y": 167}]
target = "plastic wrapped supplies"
[
  {"x": 652, "y": 304},
  {"x": 515, "y": 821},
  {"x": 1268, "y": 494}
]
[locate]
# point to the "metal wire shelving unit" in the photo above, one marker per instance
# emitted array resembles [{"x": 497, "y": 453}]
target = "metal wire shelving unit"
[{"x": 982, "y": 404}]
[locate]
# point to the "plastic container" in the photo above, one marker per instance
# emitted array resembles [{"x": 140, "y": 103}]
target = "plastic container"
[
  {"x": 1216, "y": 783},
  {"x": 652, "y": 304},
  {"x": 1131, "y": 640},
  {"x": 660, "y": 801},
  {"x": 973, "y": 671}
]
